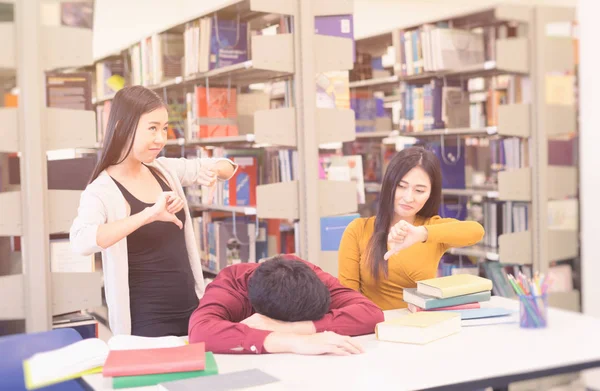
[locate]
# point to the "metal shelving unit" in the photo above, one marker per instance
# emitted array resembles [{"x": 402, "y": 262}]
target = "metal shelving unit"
[
  {"x": 481, "y": 252},
  {"x": 34, "y": 212},
  {"x": 243, "y": 210},
  {"x": 542, "y": 49},
  {"x": 485, "y": 193}
]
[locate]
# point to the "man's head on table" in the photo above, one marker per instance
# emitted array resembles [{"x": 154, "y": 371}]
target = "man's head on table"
[{"x": 288, "y": 290}]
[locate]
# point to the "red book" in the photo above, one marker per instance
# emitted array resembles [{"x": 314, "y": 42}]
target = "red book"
[
  {"x": 217, "y": 110},
  {"x": 150, "y": 361},
  {"x": 242, "y": 186}
]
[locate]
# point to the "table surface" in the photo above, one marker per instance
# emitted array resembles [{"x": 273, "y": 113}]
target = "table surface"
[{"x": 476, "y": 353}]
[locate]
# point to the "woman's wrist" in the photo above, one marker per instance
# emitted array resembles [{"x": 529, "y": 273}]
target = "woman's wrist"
[
  {"x": 424, "y": 234},
  {"x": 225, "y": 169},
  {"x": 147, "y": 215}
]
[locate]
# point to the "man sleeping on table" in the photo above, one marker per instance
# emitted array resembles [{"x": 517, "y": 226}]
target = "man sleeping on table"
[{"x": 282, "y": 305}]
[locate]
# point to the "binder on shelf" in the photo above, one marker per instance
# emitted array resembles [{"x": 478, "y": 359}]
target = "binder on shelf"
[
  {"x": 515, "y": 248},
  {"x": 87, "y": 285},
  {"x": 563, "y": 183},
  {"x": 276, "y": 127},
  {"x": 277, "y": 201},
  {"x": 9, "y": 131},
  {"x": 66, "y": 47},
  {"x": 273, "y": 52},
  {"x": 8, "y": 57},
  {"x": 512, "y": 54},
  {"x": 10, "y": 214},
  {"x": 12, "y": 287},
  {"x": 515, "y": 185},
  {"x": 335, "y": 125},
  {"x": 67, "y": 129},
  {"x": 569, "y": 301},
  {"x": 332, "y": 53},
  {"x": 514, "y": 120},
  {"x": 62, "y": 206},
  {"x": 337, "y": 197},
  {"x": 560, "y": 119},
  {"x": 557, "y": 54},
  {"x": 562, "y": 245}
]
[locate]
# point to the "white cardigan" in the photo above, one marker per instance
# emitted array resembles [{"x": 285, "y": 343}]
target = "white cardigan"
[{"x": 102, "y": 202}]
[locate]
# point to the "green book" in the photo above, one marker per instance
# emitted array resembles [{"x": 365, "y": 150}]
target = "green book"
[{"x": 210, "y": 368}]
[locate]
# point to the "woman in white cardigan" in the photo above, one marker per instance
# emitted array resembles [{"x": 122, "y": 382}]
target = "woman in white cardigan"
[{"x": 135, "y": 212}]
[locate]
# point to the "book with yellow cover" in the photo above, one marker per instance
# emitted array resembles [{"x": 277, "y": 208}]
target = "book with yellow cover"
[
  {"x": 419, "y": 328},
  {"x": 452, "y": 286}
]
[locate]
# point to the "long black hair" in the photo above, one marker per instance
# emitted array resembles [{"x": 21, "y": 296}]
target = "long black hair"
[
  {"x": 399, "y": 166},
  {"x": 128, "y": 105}
]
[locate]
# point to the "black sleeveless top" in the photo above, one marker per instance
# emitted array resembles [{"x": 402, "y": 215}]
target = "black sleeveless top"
[{"x": 161, "y": 283}]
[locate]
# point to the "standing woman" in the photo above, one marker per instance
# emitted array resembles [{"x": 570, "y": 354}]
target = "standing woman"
[
  {"x": 134, "y": 211},
  {"x": 404, "y": 243}
]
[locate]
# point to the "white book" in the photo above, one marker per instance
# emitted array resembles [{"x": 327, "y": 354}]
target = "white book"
[
  {"x": 84, "y": 357},
  {"x": 419, "y": 328}
]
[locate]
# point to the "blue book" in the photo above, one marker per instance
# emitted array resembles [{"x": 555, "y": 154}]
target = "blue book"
[
  {"x": 454, "y": 210},
  {"x": 452, "y": 162},
  {"x": 332, "y": 229},
  {"x": 337, "y": 26},
  {"x": 228, "y": 42},
  {"x": 477, "y": 313}
]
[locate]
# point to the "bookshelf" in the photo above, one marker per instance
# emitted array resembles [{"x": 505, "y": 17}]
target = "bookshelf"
[
  {"x": 538, "y": 46},
  {"x": 33, "y": 212}
]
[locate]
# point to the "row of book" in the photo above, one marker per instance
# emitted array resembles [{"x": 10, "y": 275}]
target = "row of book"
[
  {"x": 441, "y": 104},
  {"x": 437, "y": 47},
  {"x": 436, "y": 105},
  {"x": 264, "y": 166},
  {"x": 223, "y": 243},
  {"x": 217, "y": 112},
  {"x": 213, "y": 42},
  {"x": 255, "y": 167},
  {"x": 503, "y": 218},
  {"x": 369, "y": 111},
  {"x": 221, "y": 112},
  {"x": 486, "y": 95},
  {"x": 207, "y": 43}
]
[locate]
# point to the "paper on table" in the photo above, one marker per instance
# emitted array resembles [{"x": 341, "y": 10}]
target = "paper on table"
[
  {"x": 226, "y": 381},
  {"x": 129, "y": 342}
]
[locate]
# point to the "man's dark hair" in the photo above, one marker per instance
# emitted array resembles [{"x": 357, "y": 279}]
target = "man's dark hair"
[{"x": 288, "y": 290}]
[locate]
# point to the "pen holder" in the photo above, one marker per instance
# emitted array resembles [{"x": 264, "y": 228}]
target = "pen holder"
[{"x": 533, "y": 311}]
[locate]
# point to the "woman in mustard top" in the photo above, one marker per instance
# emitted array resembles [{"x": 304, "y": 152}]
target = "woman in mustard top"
[{"x": 380, "y": 256}]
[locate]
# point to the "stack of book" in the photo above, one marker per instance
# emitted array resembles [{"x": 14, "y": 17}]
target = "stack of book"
[
  {"x": 128, "y": 361},
  {"x": 148, "y": 367},
  {"x": 457, "y": 292},
  {"x": 438, "y": 308}
]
